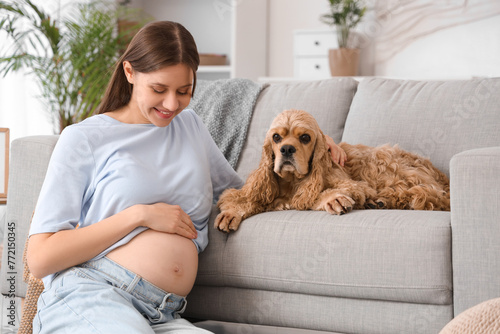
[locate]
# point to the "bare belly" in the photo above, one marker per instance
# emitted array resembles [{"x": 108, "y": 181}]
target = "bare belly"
[{"x": 169, "y": 261}]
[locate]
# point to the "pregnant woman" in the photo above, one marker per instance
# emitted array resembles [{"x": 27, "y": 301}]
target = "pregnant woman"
[{"x": 123, "y": 211}]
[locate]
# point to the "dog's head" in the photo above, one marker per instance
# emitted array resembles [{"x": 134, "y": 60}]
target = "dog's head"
[
  {"x": 294, "y": 146},
  {"x": 295, "y": 139}
]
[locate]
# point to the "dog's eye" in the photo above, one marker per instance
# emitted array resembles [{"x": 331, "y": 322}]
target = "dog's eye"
[
  {"x": 276, "y": 138},
  {"x": 305, "y": 138}
]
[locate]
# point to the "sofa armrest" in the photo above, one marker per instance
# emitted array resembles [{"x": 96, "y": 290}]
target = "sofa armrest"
[
  {"x": 475, "y": 223},
  {"x": 29, "y": 158}
]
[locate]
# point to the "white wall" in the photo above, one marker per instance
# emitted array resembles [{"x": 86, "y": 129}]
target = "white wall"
[
  {"x": 419, "y": 39},
  {"x": 285, "y": 16},
  {"x": 437, "y": 39}
]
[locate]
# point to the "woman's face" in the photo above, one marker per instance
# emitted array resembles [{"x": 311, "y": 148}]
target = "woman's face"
[{"x": 159, "y": 96}]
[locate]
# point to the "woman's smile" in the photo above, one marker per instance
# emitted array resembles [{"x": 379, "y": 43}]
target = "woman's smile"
[{"x": 164, "y": 114}]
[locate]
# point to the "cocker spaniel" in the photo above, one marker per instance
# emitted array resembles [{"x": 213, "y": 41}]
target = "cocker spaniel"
[{"x": 297, "y": 172}]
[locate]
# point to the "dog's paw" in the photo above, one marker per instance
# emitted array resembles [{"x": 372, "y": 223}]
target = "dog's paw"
[
  {"x": 377, "y": 204},
  {"x": 338, "y": 204},
  {"x": 227, "y": 221}
]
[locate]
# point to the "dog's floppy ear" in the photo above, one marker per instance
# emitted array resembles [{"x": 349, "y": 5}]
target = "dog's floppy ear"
[
  {"x": 308, "y": 190},
  {"x": 262, "y": 185}
]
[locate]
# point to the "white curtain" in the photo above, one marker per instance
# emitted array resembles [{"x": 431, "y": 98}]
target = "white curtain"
[{"x": 20, "y": 109}]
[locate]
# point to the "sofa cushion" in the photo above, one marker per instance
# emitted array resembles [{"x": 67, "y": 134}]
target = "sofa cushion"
[
  {"x": 392, "y": 255},
  {"x": 234, "y": 327},
  {"x": 327, "y": 100},
  {"x": 435, "y": 119},
  {"x": 313, "y": 312}
]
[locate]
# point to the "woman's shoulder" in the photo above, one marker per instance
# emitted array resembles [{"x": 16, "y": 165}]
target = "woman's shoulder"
[
  {"x": 189, "y": 114},
  {"x": 96, "y": 120},
  {"x": 91, "y": 127},
  {"x": 191, "y": 118}
]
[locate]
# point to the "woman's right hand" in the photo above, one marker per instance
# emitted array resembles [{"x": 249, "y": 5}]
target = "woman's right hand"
[
  {"x": 168, "y": 218},
  {"x": 336, "y": 152}
]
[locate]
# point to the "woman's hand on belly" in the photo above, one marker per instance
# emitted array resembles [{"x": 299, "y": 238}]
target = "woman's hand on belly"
[
  {"x": 168, "y": 218},
  {"x": 164, "y": 254},
  {"x": 167, "y": 260}
]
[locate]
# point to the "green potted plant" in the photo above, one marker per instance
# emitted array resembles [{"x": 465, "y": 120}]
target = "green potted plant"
[
  {"x": 70, "y": 60},
  {"x": 344, "y": 15}
]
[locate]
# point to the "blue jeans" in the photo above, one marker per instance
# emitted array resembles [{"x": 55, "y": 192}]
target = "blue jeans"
[{"x": 101, "y": 296}]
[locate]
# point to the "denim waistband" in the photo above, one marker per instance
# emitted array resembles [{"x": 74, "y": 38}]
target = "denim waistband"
[{"x": 134, "y": 284}]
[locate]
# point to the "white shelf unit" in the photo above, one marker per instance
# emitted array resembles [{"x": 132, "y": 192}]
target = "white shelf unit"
[
  {"x": 212, "y": 72},
  {"x": 214, "y": 69},
  {"x": 235, "y": 28}
]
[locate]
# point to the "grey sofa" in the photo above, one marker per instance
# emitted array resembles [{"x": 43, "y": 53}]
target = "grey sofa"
[{"x": 369, "y": 271}]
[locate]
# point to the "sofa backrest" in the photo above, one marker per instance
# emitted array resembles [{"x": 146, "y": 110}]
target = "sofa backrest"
[
  {"x": 436, "y": 119},
  {"x": 327, "y": 100}
]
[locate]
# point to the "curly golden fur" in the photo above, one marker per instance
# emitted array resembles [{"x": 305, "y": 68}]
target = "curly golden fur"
[{"x": 296, "y": 172}]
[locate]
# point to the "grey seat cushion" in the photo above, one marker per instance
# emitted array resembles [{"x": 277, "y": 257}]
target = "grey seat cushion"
[
  {"x": 327, "y": 100},
  {"x": 391, "y": 255},
  {"x": 436, "y": 119}
]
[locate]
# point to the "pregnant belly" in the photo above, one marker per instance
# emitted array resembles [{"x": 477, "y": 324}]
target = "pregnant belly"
[{"x": 169, "y": 261}]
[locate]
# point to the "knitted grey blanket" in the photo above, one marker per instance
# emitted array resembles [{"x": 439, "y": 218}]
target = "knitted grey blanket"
[{"x": 226, "y": 107}]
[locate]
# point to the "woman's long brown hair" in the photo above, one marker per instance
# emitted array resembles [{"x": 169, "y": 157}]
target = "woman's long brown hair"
[{"x": 156, "y": 45}]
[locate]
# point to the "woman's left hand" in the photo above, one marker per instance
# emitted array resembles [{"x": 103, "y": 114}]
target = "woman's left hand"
[{"x": 338, "y": 154}]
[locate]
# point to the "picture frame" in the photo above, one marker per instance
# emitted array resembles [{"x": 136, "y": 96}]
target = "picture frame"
[{"x": 4, "y": 164}]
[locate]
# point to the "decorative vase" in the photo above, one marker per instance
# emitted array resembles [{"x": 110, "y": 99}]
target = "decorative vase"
[{"x": 343, "y": 62}]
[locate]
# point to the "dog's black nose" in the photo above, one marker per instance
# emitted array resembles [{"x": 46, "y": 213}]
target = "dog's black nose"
[{"x": 287, "y": 150}]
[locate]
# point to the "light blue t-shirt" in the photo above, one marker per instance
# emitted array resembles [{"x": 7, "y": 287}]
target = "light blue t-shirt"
[{"x": 102, "y": 166}]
